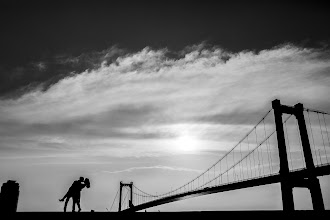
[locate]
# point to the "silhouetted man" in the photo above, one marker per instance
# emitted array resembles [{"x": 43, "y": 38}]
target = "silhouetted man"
[{"x": 74, "y": 193}]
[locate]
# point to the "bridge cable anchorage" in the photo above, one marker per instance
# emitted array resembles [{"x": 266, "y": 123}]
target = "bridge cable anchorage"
[{"x": 114, "y": 199}]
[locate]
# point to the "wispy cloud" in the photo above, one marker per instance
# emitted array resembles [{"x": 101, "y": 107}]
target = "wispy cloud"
[
  {"x": 91, "y": 60},
  {"x": 132, "y": 169}
]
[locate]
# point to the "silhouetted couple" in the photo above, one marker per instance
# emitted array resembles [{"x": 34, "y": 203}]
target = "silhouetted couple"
[{"x": 74, "y": 193}]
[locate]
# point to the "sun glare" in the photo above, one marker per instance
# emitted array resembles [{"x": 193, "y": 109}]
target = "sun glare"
[{"x": 186, "y": 143}]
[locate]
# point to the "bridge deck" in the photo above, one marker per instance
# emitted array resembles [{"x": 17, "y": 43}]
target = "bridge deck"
[{"x": 275, "y": 178}]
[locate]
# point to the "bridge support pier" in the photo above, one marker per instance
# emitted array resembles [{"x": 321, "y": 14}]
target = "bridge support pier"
[
  {"x": 316, "y": 194},
  {"x": 287, "y": 196},
  {"x": 287, "y": 183}
]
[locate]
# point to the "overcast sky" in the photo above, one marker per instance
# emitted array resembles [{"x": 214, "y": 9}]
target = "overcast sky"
[{"x": 107, "y": 90}]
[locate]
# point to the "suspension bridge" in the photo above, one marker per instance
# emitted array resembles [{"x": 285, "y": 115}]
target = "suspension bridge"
[{"x": 290, "y": 145}]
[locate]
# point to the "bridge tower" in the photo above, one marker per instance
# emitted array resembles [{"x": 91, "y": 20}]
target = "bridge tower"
[
  {"x": 309, "y": 180},
  {"x": 130, "y": 185}
]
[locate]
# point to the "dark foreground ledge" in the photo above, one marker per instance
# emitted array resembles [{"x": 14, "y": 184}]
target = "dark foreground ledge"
[{"x": 201, "y": 215}]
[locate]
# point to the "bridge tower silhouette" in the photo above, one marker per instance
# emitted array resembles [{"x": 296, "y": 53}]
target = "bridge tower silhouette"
[
  {"x": 309, "y": 180},
  {"x": 130, "y": 186}
]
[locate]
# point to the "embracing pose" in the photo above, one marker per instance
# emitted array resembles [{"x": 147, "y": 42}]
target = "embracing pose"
[{"x": 74, "y": 193}]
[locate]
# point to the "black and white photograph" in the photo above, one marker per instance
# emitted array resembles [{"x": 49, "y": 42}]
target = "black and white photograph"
[{"x": 164, "y": 107}]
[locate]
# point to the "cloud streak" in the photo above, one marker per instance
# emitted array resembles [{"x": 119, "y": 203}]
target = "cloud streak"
[{"x": 132, "y": 169}]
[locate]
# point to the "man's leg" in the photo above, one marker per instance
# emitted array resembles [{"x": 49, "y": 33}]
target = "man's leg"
[
  {"x": 78, "y": 204},
  {"x": 66, "y": 203},
  {"x": 74, "y": 201},
  {"x": 65, "y": 196}
]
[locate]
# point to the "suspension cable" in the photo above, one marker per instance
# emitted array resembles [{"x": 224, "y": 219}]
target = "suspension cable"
[
  {"x": 219, "y": 162},
  {"x": 114, "y": 199},
  {"x": 125, "y": 197},
  {"x": 318, "y": 116},
  {"x": 253, "y": 149},
  {"x": 316, "y": 111}
]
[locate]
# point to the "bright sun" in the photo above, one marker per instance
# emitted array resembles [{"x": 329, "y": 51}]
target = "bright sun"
[{"x": 186, "y": 143}]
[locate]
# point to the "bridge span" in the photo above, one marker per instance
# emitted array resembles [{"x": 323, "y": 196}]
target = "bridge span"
[{"x": 290, "y": 145}]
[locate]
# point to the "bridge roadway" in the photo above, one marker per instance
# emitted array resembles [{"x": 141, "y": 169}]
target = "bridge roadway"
[{"x": 322, "y": 170}]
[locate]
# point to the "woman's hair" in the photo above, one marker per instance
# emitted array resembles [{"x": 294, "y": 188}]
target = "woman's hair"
[{"x": 87, "y": 183}]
